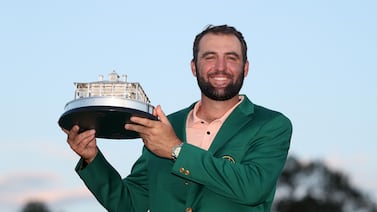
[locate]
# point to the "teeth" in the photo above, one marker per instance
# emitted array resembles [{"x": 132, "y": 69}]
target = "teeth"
[{"x": 220, "y": 78}]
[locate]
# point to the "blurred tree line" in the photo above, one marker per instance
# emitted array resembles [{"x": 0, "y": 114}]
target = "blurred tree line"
[
  {"x": 313, "y": 187},
  {"x": 35, "y": 206},
  {"x": 302, "y": 187}
]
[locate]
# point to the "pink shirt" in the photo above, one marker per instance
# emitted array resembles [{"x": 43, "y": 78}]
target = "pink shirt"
[{"x": 199, "y": 132}]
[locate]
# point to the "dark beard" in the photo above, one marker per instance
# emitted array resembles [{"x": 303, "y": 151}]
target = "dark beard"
[{"x": 209, "y": 91}]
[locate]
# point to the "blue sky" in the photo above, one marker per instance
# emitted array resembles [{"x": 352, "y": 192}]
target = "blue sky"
[{"x": 315, "y": 61}]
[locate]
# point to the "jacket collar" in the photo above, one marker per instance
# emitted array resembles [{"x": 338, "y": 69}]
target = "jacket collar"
[{"x": 240, "y": 116}]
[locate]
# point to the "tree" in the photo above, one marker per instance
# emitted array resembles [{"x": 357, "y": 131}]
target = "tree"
[
  {"x": 313, "y": 187},
  {"x": 35, "y": 206}
]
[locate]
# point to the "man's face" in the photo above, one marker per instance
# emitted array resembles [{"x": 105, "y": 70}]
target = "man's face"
[{"x": 220, "y": 69}]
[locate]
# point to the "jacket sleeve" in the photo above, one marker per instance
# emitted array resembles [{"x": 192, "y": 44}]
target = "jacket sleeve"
[
  {"x": 250, "y": 180},
  {"x": 113, "y": 192}
]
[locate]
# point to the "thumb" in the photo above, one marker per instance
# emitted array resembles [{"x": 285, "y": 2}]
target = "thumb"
[{"x": 161, "y": 115}]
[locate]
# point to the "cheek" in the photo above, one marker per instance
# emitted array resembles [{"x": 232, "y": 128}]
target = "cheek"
[
  {"x": 206, "y": 67},
  {"x": 236, "y": 69},
  {"x": 200, "y": 69}
]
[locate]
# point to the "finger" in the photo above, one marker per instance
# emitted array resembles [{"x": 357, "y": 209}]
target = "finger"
[
  {"x": 155, "y": 110},
  {"x": 141, "y": 121},
  {"x": 75, "y": 138},
  {"x": 134, "y": 127},
  {"x": 83, "y": 139},
  {"x": 72, "y": 133},
  {"x": 89, "y": 134}
]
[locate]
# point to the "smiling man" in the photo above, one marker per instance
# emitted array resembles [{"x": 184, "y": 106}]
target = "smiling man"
[{"x": 222, "y": 153}]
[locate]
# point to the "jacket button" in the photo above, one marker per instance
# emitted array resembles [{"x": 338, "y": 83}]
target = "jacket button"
[
  {"x": 187, "y": 172},
  {"x": 188, "y": 209},
  {"x": 182, "y": 170}
]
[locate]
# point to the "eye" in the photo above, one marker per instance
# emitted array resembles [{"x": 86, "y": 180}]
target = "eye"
[
  {"x": 209, "y": 57},
  {"x": 233, "y": 58}
]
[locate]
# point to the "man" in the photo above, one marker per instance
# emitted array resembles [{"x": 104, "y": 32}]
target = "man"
[{"x": 222, "y": 153}]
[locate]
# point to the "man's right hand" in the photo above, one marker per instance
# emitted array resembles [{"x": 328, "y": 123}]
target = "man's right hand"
[{"x": 84, "y": 144}]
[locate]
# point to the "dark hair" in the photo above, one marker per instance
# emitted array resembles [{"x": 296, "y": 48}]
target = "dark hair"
[{"x": 221, "y": 29}]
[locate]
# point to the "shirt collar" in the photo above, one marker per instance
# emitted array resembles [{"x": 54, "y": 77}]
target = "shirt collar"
[{"x": 194, "y": 119}]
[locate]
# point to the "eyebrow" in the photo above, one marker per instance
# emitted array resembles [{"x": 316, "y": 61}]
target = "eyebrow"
[{"x": 228, "y": 53}]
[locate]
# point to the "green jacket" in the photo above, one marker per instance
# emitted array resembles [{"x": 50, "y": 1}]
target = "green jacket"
[{"x": 238, "y": 173}]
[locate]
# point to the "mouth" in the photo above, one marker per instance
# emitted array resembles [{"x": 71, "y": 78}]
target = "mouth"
[{"x": 219, "y": 80}]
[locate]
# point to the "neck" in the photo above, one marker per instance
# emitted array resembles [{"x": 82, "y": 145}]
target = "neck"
[{"x": 211, "y": 110}]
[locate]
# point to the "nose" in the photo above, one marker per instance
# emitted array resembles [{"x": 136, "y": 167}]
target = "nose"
[{"x": 220, "y": 64}]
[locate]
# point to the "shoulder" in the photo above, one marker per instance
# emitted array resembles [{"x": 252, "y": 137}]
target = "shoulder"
[
  {"x": 267, "y": 112},
  {"x": 178, "y": 115},
  {"x": 272, "y": 118},
  {"x": 264, "y": 114}
]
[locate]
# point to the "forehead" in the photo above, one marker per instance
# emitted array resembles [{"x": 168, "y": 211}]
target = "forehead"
[{"x": 219, "y": 42}]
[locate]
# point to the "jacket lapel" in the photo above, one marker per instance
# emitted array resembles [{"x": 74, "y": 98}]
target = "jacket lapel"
[
  {"x": 240, "y": 116},
  {"x": 236, "y": 120}
]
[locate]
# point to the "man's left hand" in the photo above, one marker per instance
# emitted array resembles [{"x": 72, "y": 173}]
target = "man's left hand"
[{"x": 158, "y": 136}]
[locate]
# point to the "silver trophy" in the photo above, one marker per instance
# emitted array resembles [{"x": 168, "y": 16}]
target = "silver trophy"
[{"x": 106, "y": 106}]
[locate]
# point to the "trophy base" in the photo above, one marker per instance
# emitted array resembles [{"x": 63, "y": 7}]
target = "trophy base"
[{"x": 108, "y": 121}]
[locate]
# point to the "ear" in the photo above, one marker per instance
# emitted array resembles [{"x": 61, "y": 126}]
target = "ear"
[
  {"x": 246, "y": 68},
  {"x": 193, "y": 68}
]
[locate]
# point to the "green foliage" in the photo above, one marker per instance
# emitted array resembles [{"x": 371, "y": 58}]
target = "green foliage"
[
  {"x": 35, "y": 206},
  {"x": 313, "y": 187}
]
